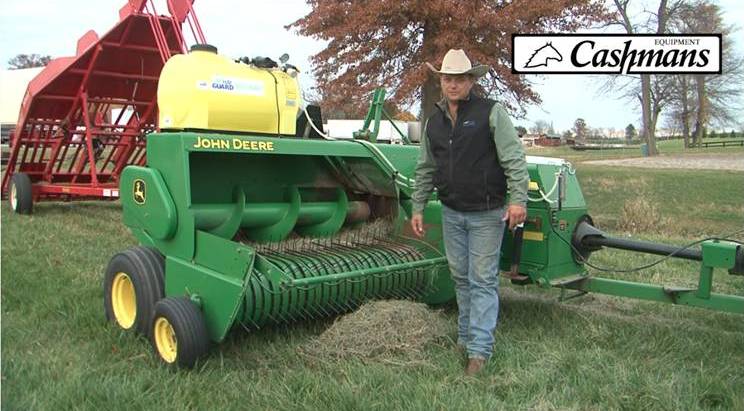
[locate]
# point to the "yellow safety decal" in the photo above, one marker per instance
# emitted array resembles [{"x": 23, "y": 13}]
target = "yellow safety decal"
[
  {"x": 138, "y": 191},
  {"x": 532, "y": 235},
  {"x": 533, "y": 186},
  {"x": 233, "y": 144}
]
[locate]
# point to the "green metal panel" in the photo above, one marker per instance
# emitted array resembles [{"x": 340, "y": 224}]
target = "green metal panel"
[
  {"x": 166, "y": 154},
  {"x": 217, "y": 292},
  {"x": 719, "y": 254},
  {"x": 151, "y": 206},
  {"x": 545, "y": 176},
  {"x": 249, "y": 144},
  {"x": 546, "y": 253},
  {"x": 217, "y": 277},
  {"x": 228, "y": 257}
]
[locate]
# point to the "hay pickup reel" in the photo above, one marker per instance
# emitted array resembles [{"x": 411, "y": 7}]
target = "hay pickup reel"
[{"x": 244, "y": 223}]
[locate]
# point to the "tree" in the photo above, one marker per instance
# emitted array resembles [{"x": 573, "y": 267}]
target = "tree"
[
  {"x": 358, "y": 110},
  {"x": 23, "y": 61},
  {"x": 649, "y": 112},
  {"x": 540, "y": 127},
  {"x": 404, "y": 116},
  {"x": 385, "y": 43},
  {"x": 681, "y": 105},
  {"x": 630, "y": 132},
  {"x": 581, "y": 130},
  {"x": 703, "y": 98}
]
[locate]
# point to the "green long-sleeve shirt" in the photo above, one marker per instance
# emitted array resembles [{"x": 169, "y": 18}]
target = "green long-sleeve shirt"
[{"x": 508, "y": 148}]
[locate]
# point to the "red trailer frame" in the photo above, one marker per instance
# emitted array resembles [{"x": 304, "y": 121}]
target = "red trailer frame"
[{"x": 67, "y": 143}]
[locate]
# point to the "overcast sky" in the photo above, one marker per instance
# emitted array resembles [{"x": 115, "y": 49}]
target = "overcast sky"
[{"x": 250, "y": 28}]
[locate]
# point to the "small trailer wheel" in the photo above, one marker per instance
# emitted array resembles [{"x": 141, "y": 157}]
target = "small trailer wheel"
[
  {"x": 179, "y": 333},
  {"x": 133, "y": 284},
  {"x": 20, "y": 194}
]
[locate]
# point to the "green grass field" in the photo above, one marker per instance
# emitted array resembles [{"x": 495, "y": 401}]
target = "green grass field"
[{"x": 589, "y": 353}]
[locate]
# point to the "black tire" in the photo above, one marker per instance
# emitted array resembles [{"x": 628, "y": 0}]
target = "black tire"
[
  {"x": 20, "y": 194},
  {"x": 138, "y": 274},
  {"x": 179, "y": 332}
]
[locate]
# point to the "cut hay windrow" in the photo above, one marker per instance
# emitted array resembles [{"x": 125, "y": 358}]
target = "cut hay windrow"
[{"x": 396, "y": 332}]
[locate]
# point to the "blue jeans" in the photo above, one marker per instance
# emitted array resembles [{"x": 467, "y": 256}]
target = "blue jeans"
[{"x": 473, "y": 244}]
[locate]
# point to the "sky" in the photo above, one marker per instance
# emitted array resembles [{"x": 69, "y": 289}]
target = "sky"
[{"x": 256, "y": 27}]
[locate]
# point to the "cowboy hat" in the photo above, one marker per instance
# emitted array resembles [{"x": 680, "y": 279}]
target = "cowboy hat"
[{"x": 457, "y": 62}]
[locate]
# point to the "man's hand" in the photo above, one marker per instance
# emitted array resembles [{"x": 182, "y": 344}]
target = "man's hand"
[
  {"x": 515, "y": 215},
  {"x": 417, "y": 224}
]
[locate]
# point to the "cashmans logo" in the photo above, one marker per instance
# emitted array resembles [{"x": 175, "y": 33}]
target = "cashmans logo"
[{"x": 616, "y": 54}]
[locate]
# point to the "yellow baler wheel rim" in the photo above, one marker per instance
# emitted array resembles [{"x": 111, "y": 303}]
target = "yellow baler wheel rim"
[
  {"x": 123, "y": 300},
  {"x": 165, "y": 340}
]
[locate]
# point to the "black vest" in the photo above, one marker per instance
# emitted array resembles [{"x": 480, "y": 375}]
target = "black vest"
[{"x": 468, "y": 176}]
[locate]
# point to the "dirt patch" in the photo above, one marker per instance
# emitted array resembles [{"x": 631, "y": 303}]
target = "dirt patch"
[
  {"x": 734, "y": 162},
  {"x": 392, "y": 332}
]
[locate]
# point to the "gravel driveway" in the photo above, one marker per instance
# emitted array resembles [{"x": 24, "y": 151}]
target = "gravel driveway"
[{"x": 733, "y": 162}]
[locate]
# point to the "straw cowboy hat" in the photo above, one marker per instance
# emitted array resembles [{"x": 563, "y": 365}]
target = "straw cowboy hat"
[{"x": 457, "y": 62}]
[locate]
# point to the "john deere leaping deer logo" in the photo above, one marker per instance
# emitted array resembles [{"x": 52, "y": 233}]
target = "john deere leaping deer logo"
[
  {"x": 541, "y": 56},
  {"x": 139, "y": 191}
]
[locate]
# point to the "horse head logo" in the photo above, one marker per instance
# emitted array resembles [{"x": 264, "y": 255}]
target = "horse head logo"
[
  {"x": 541, "y": 56},
  {"x": 139, "y": 191}
]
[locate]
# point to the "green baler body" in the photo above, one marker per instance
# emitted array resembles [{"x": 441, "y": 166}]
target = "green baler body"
[
  {"x": 215, "y": 203},
  {"x": 219, "y": 207}
]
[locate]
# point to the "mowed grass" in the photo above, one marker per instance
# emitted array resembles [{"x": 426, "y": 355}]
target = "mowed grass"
[{"x": 589, "y": 353}]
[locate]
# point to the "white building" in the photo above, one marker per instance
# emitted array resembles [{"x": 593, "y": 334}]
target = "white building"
[
  {"x": 13, "y": 85},
  {"x": 346, "y": 128}
]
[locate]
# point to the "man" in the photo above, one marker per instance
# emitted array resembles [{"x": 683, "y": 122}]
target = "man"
[{"x": 471, "y": 153}]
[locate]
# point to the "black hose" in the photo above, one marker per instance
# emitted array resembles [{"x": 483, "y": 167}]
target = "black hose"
[
  {"x": 582, "y": 253},
  {"x": 278, "y": 111}
]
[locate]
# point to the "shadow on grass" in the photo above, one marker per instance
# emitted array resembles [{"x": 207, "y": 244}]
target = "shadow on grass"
[{"x": 52, "y": 209}]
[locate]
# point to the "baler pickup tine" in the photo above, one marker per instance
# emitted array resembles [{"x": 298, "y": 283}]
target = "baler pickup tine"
[
  {"x": 302, "y": 312},
  {"x": 322, "y": 311},
  {"x": 307, "y": 314}
]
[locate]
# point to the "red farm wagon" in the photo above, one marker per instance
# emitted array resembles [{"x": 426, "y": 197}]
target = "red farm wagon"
[{"x": 84, "y": 118}]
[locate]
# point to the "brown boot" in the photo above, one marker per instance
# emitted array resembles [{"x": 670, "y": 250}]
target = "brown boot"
[{"x": 474, "y": 366}]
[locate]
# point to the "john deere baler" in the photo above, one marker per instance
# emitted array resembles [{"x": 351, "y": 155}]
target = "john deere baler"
[{"x": 243, "y": 224}]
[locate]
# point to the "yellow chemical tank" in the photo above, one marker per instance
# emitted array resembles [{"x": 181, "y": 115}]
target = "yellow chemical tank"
[{"x": 203, "y": 90}]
